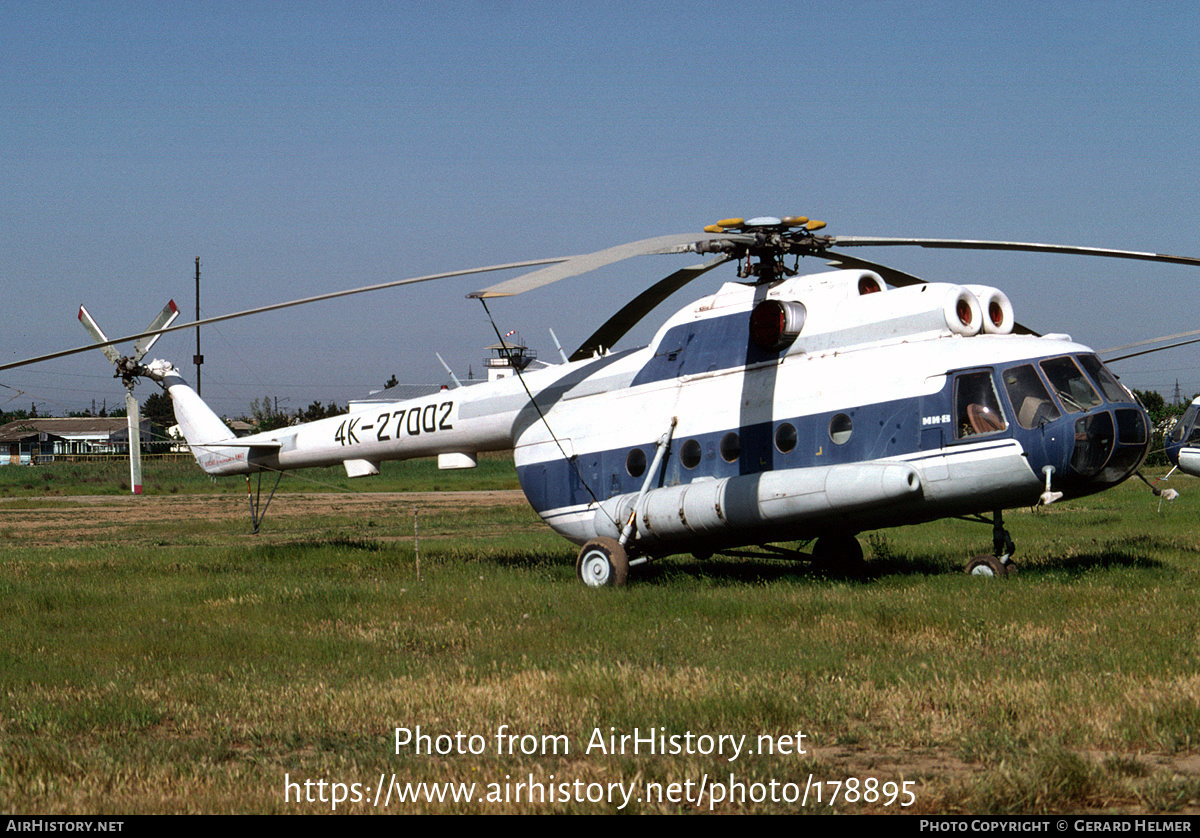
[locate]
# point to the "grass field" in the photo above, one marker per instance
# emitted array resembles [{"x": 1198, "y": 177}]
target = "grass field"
[
  {"x": 175, "y": 476},
  {"x": 158, "y": 658}
]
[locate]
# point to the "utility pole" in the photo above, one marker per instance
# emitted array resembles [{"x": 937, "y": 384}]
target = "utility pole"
[{"x": 198, "y": 359}]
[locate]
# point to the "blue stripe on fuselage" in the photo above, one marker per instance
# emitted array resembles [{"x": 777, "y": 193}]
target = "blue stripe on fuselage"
[
  {"x": 879, "y": 431},
  {"x": 715, "y": 343}
]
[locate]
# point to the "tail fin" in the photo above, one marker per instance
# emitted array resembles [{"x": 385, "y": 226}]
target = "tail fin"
[{"x": 201, "y": 427}]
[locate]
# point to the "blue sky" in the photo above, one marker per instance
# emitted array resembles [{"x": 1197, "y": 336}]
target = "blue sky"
[{"x": 302, "y": 147}]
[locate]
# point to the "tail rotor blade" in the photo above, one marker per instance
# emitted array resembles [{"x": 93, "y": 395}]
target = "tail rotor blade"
[
  {"x": 165, "y": 318},
  {"x": 135, "y": 442},
  {"x": 93, "y": 329}
]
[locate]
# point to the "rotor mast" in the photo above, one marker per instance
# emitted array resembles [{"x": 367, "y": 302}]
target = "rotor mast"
[{"x": 768, "y": 240}]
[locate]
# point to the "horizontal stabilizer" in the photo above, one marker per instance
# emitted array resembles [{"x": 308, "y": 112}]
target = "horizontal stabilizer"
[{"x": 361, "y": 468}]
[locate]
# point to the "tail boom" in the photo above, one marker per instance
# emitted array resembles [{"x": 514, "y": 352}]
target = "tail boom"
[
  {"x": 462, "y": 422},
  {"x": 214, "y": 445}
]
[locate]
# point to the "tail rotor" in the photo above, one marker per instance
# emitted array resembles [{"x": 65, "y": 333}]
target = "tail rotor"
[{"x": 129, "y": 368}]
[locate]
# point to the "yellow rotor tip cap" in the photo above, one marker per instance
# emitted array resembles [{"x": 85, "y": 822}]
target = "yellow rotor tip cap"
[
  {"x": 815, "y": 225},
  {"x": 796, "y": 220},
  {"x": 714, "y": 228},
  {"x": 730, "y": 222}
]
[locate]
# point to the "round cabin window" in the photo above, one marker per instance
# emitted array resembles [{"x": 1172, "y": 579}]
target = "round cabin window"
[
  {"x": 635, "y": 463},
  {"x": 731, "y": 447},
  {"x": 690, "y": 454},
  {"x": 840, "y": 428},
  {"x": 785, "y": 437}
]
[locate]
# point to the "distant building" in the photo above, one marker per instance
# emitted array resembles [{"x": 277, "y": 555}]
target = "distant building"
[
  {"x": 509, "y": 358},
  {"x": 27, "y": 441},
  {"x": 238, "y": 427},
  {"x": 179, "y": 444}
]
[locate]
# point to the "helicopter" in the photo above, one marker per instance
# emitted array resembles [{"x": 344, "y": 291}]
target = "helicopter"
[
  {"x": 783, "y": 408},
  {"x": 1182, "y": 438},
  {"x": 1183, "y": 441}
]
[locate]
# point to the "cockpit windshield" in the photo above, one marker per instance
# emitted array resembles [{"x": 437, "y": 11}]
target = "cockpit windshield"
[
  {"x": 1071, "y": 385},
  {"x": 1113, "y": 389},
  {"x": 1185, "y": 428}
]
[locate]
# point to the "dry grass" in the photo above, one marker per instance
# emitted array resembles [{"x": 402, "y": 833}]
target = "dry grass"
[{"x": 155, "y": 658}]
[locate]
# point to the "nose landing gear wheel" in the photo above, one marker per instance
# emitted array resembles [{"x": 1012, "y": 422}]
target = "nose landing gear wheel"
[
  {"x": 990, "y": 566},
  {"x": 602, "y": 563},
  {"x": 1002, "y": 545}
]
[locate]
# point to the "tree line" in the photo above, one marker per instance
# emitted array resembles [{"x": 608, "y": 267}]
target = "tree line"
[{"x": 266, "y": 415}]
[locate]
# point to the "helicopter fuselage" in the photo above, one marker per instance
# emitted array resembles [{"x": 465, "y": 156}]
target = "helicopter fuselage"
[
  {"x": 883, "y": 417},
  {"x": 817, "y": 405}
]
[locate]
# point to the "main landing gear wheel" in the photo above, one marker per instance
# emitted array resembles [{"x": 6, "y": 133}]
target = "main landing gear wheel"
[
  {"x": 603, "y": 563},
  {"x": 840, "y": 554},
  {"x": 990, "y": 566}
]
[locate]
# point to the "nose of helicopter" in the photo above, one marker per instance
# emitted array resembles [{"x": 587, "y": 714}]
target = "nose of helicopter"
[
  {"x": 1110, "y": 443},
  {"x": 1183, "y": 439},
  {"x": 1085, "y": 430},
  {"x": 1172, "y": 451}
]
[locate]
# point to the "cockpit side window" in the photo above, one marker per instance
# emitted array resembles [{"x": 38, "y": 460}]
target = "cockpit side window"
[
  {"x": 1113, "y": 389},
  {"x": 1071, "y": 385},
  {"x": 977, "y": 409},
  {"x": 1029, "y": 397}
]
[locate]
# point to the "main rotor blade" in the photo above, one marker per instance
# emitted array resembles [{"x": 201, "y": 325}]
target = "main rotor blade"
[
  {"x": 1150, "y": 341},
  {"x": 1175, "y": 345},
  {"x": 1033, "y": 247},
  {"x": 576, "y": 265},
  {"x": 93, "y": 329},
  {"x": 893, "y": 277},
  {"x": 165, "y": 318},
  {"x": 276, "y": 306},
  {"x": 617, "y": 326}
]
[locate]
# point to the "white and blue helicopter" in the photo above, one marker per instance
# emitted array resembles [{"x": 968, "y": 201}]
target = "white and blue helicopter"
[
  {"x": 1183, "y": 441},
  {"x": 1182, "y": 438},
  {"x": 783, "y": 408}
]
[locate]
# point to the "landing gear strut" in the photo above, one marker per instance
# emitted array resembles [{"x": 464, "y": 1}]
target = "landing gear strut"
[
  {"x": 258, "y": 508},
  {"x": 1000, "y": 563}
]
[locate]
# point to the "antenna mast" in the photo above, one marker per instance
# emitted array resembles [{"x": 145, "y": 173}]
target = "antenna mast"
[{"x": 198, "y": 359}]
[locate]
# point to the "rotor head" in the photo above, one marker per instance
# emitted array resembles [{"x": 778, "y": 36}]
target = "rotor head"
[
  {"x": 768, "y": 240},
  {"x": 128, "y": 370}
]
